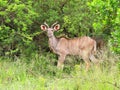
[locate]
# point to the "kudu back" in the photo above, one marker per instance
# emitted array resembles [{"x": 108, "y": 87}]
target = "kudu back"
[{"x": 83, "y": 46}]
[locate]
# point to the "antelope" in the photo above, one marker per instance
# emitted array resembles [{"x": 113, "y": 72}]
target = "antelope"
[{"x": 83, "y": 46}]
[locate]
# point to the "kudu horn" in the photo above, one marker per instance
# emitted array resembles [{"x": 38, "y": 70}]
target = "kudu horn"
[
  {"x": 54, "y": 24},
  {"x": 46, "y": 24}
]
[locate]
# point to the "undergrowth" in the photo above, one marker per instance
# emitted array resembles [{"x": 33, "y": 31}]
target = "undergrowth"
[{"x": 39, "y": 72}]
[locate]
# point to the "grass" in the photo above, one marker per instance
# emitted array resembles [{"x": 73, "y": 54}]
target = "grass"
[{"x": 40, "y": 73}]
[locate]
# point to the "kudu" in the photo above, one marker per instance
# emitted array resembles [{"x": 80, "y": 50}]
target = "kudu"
[{"x": 83, "y": 46}]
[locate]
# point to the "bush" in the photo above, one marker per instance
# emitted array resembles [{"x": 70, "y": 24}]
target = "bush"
[
  {"x": 16, "y": 18},
  {"x": 115, "y": 40}
]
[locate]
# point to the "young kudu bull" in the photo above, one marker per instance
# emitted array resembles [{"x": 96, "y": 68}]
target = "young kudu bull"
[{"x": 83, "y": 46}]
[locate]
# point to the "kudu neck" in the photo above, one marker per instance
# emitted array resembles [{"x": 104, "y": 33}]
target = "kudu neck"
[
  {"x": 53, "y": 38},
  {"x": 53, "y": 41}
]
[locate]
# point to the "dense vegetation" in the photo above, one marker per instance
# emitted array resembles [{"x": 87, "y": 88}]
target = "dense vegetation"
[{"x": 26, "y": 61}]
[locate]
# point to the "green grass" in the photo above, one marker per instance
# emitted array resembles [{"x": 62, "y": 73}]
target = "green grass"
[{"x": 40, "y": 73}]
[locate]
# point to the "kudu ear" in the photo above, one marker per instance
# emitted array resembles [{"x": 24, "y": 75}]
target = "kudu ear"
[
  {"x": 56, "y": 27},
  {"x": 43, "y": 27}
]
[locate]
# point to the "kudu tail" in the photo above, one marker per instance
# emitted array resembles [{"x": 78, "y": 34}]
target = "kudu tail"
[{"x": 94, "y": 47}]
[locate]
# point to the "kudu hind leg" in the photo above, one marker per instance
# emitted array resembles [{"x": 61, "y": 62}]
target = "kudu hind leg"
[
  {"x": 60, "y": 63},
  {"x": 94, "y": 60}
]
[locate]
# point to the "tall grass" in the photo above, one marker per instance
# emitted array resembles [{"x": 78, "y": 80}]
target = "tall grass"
[{"x": 39, "y": 72}]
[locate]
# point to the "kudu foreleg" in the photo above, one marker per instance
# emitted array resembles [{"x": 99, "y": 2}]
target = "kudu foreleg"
[
  {"x": 87, "y": 62},
  {"x": 85, "y": 57},
  {"x": 60, "y": 63}
]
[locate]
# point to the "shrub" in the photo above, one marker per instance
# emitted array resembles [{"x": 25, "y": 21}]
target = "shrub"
[{"x": 16, "y": 18}]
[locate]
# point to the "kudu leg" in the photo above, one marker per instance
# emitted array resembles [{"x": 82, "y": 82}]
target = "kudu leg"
[
  {"x": 60, "y": 63},
  {"x": 94, "y": 60},
  {"x": 86, "y": 60}
]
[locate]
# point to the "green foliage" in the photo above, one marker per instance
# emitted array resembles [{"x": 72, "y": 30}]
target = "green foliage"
[
  {"x": 107, "y": 20},
  {"x": 105, "y": 14},
  {"x": 77, "y": 18},
  {"x": 115, "y": 40},
  {"x": 73, "y": 15},
  {"x": 20, "y": 21},
  {"x": 15, "y": 19}
]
